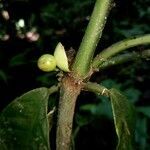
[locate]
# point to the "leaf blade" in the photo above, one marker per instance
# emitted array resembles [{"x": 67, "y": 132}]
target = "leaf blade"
[
  {"x": 124, "y": 120},
  {"x": 24, "y": 123}
]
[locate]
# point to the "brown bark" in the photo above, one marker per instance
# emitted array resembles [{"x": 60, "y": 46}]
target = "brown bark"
[{"x": 70, "y": 89}]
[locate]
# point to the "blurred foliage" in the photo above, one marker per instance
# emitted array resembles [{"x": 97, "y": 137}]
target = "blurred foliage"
[{"x": 29, "y": 28}]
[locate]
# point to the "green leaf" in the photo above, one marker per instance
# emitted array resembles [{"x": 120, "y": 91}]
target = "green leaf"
[
  {"x": 3, "y": 76},
  {"x": 142, "y": 133},
  {"x": 101, "y": 109},
  {"x": 124, "y": 119},
  {"x": 132, "y": 94},
  {"x": 24, "y": 122},
  {"x": 18, "y": 60},
  {"x": 145, "y": 110},
  {"x": 82, "y": 120}
]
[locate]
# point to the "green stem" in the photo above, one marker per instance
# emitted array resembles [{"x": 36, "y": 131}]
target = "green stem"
[
  {"x": 119, "y": 47},
  {"x": 72, "y": 83},
  {"x": 92, "y": 35},
  {"x": 122, "y": 58},
  {"x": 53, "y": 89},
  {"x": 96, "y": 88}
]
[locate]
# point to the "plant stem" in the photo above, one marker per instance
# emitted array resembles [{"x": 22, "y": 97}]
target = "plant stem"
[
  {"x": 96, "y": 88},
  {"x": 53, "y": 89},
  {"x": 122, "y": 58},
  {"x": 92, "y": 35},
  {"x": 68, "y": 95},
  {"x": 119, "y": 47},
  {"x": 71, "y": 83}
]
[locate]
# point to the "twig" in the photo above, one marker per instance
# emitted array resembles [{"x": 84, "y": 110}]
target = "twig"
[{"x": 119, "y": 47}]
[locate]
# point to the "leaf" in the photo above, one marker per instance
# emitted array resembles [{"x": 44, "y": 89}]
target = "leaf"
[
  {"x": 132, "y": 94},
  {"x": 145, "y": 110},
  {"x": 109, "y": 83},
  {"x": 100, "y": 109},
  {"x": 3, "y": 76},
  {"x": 142, "y": 133},
  {"x": 18, "y": 60},
  {"x": 24, "y": 122},
  {"x": 82, "y": 120},
  {"x": 124, "y": 119}
]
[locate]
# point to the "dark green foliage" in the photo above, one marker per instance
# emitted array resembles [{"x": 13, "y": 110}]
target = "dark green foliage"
[
  {"x": 24, "y": 122},
  {"x": 124, "y": 119}
]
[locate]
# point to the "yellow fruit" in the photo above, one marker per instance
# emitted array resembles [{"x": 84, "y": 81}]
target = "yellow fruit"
[{"x": 47, "y": 63}]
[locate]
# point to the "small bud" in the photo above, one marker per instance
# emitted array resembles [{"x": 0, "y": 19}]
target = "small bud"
[
  {"x": 61, "y": 58},
  {"x": 47, "y": 63}
]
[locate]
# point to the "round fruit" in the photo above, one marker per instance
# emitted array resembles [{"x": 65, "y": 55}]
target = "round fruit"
[{"x": 47, "y": 63}]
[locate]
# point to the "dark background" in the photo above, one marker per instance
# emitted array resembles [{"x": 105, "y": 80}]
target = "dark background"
[{"x": 65, "y": 21}]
